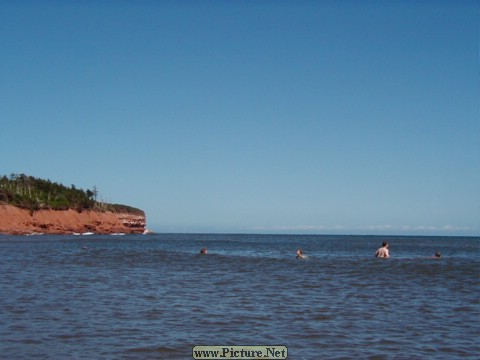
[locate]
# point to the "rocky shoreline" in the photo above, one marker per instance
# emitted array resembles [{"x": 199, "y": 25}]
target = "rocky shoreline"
[{"x": 17, "y": 221}]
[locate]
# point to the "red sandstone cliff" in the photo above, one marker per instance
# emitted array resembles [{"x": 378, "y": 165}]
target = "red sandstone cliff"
[{"x": 14, "y": 220}]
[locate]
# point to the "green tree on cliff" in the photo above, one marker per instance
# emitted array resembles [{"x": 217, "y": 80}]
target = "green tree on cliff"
[{"x": 35, "y": 194}]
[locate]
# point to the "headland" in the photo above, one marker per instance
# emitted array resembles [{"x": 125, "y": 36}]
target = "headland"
[{"x": 34, "y": 206}]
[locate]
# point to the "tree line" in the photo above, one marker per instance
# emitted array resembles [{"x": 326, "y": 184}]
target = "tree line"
[{"x": 34, "y": 194}]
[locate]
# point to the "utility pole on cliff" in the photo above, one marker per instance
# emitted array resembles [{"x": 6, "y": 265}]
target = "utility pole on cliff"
[{"x": 95, "y": 192}]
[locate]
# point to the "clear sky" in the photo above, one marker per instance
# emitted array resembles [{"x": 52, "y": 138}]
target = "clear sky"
[{"x": 325, "y": 117}]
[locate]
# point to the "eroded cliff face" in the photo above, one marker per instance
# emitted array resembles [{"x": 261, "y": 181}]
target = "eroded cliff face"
[{"x": 14, "y": 220}]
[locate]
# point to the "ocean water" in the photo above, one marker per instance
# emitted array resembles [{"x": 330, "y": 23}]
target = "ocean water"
[{"x": 156, "y": 297}]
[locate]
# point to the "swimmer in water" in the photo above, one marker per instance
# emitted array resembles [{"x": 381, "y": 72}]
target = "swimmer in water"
[
  {"x": 204, "y": 251},
  {"x": 300, "y": 254},
  {"x": 437, "y": 255},
  {"x": 383, "y": 251}
]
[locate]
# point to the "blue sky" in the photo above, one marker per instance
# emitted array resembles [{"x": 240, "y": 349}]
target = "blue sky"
[{"x": 325, "y": 117}]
